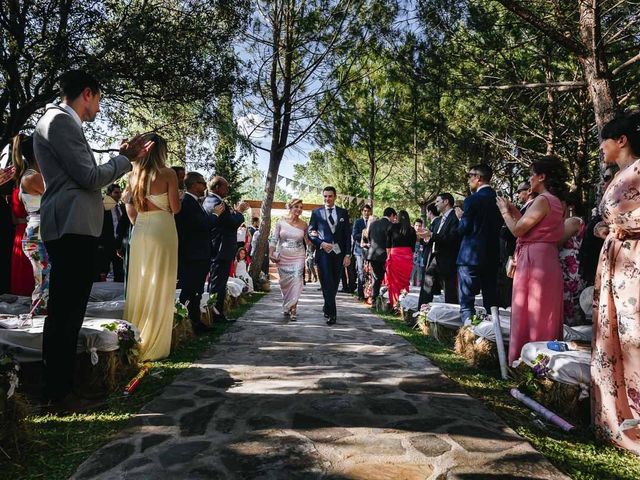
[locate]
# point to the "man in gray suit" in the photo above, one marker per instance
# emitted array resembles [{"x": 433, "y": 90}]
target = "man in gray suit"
[{"x": 71, "y": 222}]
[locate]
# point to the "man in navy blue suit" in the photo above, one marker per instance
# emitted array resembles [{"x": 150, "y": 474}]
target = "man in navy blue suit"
[
  {"x": 478, "y": 258},
  {"x": 329, "y": 230},
  {"x": 195, "y": 228}
]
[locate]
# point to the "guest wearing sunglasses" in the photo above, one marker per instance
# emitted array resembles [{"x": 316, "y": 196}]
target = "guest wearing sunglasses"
[{"x": 479, "y": 230}]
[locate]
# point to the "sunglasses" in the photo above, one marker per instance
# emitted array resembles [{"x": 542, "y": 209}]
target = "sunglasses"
[{"x": 471, "y": 174}]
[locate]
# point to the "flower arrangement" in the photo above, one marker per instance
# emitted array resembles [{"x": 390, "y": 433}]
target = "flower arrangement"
[
  {"x": 530, "y": 377},
  {"x": 179, "y": 314},
  {"x": 477, "y": 318},
  {"x": 540, "y": 366},
  {"x": 213, "y": 299},
  {"x": 127, "y": 343},
  {"x": 9, "y": 368}
]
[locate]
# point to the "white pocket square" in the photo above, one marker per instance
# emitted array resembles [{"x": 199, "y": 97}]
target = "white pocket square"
[{"x": 342, "y": 219}]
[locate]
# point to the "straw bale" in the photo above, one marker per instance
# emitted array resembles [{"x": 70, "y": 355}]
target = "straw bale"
[{"x": 478, "y": 353}]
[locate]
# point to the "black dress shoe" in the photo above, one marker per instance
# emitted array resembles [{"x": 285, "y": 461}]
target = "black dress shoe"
[
  {"x": 331, "y": 321},
  {"x": 220, "y": 318},
  {"x": 324, "y": 311},
  {"x": 200, "y": 328}
]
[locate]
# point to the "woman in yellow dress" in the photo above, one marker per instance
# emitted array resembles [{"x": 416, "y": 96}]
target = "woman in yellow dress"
[{"x": 151, "y": 288}]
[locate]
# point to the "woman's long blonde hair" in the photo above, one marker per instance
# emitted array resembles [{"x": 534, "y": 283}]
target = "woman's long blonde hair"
[
  {"x": 22, "y": 155},
  {"x": 148, "y": 168}
]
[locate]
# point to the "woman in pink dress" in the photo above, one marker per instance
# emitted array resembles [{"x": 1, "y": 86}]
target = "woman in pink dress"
[
  {"x": 536, "y": 304},
  {"x": 615, "y": 364},
  {"x": 287, "y": 249}
]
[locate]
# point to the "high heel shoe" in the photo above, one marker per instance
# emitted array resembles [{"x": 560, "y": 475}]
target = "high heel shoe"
[{"x": 293, "y": 314}]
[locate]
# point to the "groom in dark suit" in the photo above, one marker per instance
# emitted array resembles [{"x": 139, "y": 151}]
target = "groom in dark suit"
[
  {"x": 478, "y": 259},
  {"x": 195, "y": 229},
  {"x": 329, "y": 230},
  {"x": 224, "y": 240}
]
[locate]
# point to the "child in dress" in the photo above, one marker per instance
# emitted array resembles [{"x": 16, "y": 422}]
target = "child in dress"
[
  {"x": 310, "y": 264},
  {"x": 241, "y": 268}
]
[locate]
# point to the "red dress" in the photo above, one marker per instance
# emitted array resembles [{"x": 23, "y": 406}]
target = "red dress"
[{"x": 22, "y": 281}]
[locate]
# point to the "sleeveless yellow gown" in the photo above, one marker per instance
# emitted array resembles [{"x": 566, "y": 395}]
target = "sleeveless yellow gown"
[{"x": 151, "y": 285}]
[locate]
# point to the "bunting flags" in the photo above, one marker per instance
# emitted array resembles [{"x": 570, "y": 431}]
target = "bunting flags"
[{"x": 303, "y": 187}]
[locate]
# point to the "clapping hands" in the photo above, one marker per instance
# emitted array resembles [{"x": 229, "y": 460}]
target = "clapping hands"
[
  {"x": 505, "y": 205},
  {"x": 6, "y": 174},
  {"x": 242, "y": 206},
  {"x": 423, "y": 233},
  {"x": 135, "y": 148}
]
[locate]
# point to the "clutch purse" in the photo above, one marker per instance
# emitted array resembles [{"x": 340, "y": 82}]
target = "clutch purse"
[{"x": 511, "y": 266}]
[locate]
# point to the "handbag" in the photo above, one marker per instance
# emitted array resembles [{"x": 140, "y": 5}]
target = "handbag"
[{"x": 510, "y": 267}]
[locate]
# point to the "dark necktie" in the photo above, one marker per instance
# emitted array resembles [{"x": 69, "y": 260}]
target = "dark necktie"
[{"x": 332, "y": 222}]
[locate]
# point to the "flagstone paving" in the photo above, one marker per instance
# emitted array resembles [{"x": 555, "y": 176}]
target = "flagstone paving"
[{"x": 275, "y": 399}]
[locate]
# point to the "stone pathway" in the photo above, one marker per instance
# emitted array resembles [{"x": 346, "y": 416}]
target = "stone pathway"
[{"x": 281, "y": 400}]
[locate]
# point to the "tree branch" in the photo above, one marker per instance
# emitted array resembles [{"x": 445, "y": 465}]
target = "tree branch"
[
  {"x": 532, "y": 19},
  {"x": 625, "y": 65}
]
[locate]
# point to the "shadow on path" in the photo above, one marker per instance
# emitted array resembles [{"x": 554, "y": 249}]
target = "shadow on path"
[{"x": 283, "y": 400}]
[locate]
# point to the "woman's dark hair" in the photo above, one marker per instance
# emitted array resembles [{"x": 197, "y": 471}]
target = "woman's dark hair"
[
  {"x": 404, "y": 222},
  {"x": 241, "y": 249},
  {"x": 555, "y": 174},
  {"x": 627, "y": 124},
  {"x": 572, "y": 199}
]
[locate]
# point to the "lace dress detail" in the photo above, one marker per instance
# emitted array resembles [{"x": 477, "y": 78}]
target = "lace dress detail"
[{"x": 291, "y": 253}]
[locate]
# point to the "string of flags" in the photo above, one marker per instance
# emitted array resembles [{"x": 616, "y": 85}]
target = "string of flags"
[{"x": 303, "y": 187}]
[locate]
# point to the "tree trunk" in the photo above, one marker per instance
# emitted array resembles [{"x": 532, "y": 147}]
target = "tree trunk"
[
  {"x": 594, "y": 64},
  {"x": 552, "y": 110},
  {"x": 262, "y": 246}
]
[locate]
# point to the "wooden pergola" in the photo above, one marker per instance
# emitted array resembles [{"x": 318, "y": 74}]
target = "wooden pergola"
[{"x": 257, "y": 205}]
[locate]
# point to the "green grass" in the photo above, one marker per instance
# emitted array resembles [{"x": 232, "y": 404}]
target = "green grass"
[
  {"x": 575, "y": 453},
  {"x": 58, "y": 445}
]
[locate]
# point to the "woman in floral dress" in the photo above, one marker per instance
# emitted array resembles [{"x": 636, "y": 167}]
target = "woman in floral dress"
[
  {"x": 574, "y": 228},
  {"x": 615, "y": 369}
]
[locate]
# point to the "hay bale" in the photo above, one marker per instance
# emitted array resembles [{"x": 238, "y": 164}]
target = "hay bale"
[
  {"x": 381, "y": 305},
  {"x": 108, "y": 375},
  {"x": 561, "y": 398},
  {"x": 407, "y": 316},
  {"x": 182, "y": 332},
  {"x": 423, "y": 326},
  {"x": 477, "y": 351},
  {"x": 442, "y": 333},
  {"x": 13, "y": 429}
]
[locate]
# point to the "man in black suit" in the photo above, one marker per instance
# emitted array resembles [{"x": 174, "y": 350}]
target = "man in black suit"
[
  {"x": 377, "y": 255},
  {"x": 356, "y": 235},
  {"x": 115, "y": 232},
  {"x": 195, "y": 229},
  {"x": 479, "y": 229},
  {"x": 223, "y": 240},
  {"x": 444, "y": 243}
]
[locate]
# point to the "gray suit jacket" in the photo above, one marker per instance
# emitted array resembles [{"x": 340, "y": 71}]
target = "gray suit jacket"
[{"x": 72, "y": 200}]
